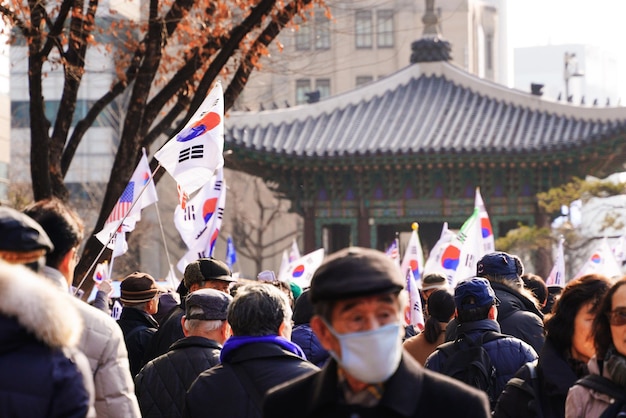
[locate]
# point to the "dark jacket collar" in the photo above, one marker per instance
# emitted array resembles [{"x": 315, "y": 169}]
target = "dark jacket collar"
[
  {"x": 512, "y": 300},
  {"x": 478, "y": 326},
  {"x": 258, "y": 351},
  {"x": 401, "y": 391},
  {"x": 195, "y": 341},
  {"x": 137, "y": 315}
]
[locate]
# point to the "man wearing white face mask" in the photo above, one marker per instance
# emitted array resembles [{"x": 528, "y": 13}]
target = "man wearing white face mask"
[{"x": 359, "y": 301}]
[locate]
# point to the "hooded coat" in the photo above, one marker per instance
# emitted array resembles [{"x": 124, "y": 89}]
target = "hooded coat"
[{"x": 42, "y": 373}]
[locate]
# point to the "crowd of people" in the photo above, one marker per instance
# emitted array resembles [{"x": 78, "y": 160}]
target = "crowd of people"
[{"x": 498, "y": 344}]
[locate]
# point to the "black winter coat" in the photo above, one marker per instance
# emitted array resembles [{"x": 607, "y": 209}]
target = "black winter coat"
[
  {"x": 170, "y": 331},
  {"x": 304, "y": 336},
  {"x": 219, "y": 393},
  {"x": 411, "y": 391},
  {"x": 35, "y": 379},
  {"x": 162, "y": 384},
  {"x": 138, "y": 328},
  {"x": 554, "y": 378},
  {"x": 517, "y": 316}
]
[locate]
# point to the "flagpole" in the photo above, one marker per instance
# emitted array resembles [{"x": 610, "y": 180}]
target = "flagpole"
[
  {"x": 167, "y": 253},
  {"x": 82, "y": 281}
]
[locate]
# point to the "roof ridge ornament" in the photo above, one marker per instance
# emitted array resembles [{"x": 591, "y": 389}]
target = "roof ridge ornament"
[{"x": 431, "y": 47}]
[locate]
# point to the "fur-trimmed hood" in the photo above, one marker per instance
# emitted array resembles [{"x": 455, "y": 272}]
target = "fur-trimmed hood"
[{"x": 39, "y": 306}]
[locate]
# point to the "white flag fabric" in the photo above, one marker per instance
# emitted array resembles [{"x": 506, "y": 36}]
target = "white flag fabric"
[
  {"x": 201, "y": 219},
  {"x": 488, "y": 240},
  {"x": 619, "y": 250},
  {"x": 193, "y": 155},
  {"x": 602, "y": 261},
  {"x": 444, "y": 256},
  {"x": 120, "y": 246},
  {"x": 415, "y": 315},
  {"x": 284, "y": 264},
  {"x": 294, "y": 253},
  {"x": 139, "y": 189},
  {"x": 301, "y": 271},
  {"x": 557, "y": 274},
  {"x": 469, "y": 239},
  {"x": 413, "y": 258}
]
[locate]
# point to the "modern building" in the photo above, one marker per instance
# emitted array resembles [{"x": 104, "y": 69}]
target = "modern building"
[{"x": 366, "y": 40}]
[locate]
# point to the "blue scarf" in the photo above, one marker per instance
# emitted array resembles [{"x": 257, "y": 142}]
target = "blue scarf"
[{"x": 235, "y": 342}]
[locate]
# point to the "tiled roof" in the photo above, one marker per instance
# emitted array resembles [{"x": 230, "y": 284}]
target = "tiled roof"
[{"x": 424, "y": 109}]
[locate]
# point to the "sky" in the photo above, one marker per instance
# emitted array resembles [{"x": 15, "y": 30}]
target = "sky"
[{"x": 553, "y": 22}]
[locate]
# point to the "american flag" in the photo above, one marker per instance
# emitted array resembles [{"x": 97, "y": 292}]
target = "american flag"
[
  {"x": 123, "y": 204},
  {"x": 393, "y": 252}
]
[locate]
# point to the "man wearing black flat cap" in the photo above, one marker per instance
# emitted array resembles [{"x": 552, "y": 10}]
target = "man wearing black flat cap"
[
  {"x": 162, "y": 384},
  {"x": 358, "y": 301},
  {"x": 204, "y": 273}
]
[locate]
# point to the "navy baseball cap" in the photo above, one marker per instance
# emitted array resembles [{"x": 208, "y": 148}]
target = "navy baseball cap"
[
  {"x": 500, "y": 264},
  {"x": 476, "y": 288}
]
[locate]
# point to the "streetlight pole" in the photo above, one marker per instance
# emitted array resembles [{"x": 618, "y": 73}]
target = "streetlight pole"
[{"x": 569, "y": 72}]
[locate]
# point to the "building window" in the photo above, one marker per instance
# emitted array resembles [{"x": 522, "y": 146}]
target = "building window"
[
  {"x": 303, "y": 36},
  {"x": 489, "y": 52},
  {"x": 363, "y": 29},
  {"x": 20, "y": 113},
  {"x": 322, "y": 31},
  {"x": 363, "y": 79},
  {"x": 303, "y": 86},
  {"x": 322, "y": 85},
  {"x": 384, "y": 22}
]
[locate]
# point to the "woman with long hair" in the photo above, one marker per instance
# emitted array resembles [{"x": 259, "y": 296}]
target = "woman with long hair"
[
  {"x": 607, "y": 396},
  {"x": 540, "y": 389},
  {"x": 440, "y": 310}
]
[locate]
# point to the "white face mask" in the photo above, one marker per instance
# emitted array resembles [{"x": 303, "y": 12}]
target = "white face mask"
[{"x": 370, "y": 356}]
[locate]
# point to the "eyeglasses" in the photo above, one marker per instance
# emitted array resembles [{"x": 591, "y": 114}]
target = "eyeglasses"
[{"x": 617, "y": 317}]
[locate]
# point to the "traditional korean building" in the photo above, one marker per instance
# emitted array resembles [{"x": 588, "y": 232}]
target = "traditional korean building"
[{"x": 413, "y": 146}]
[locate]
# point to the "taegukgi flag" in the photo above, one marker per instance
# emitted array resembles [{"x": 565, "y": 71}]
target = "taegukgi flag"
[
  {"x": 602, "y": 261},
  {"x": 413, "y": 257},
  {"x": 469, "y": 239},
  {"x": 301, "y": 270},
  {"x": 199, "y": 223},
  {"x": 193, "y": 155},
  {"x": 488, "y": 239},
  {"x": 445, "y": 255},
  {"x": 415, "y": 315}
]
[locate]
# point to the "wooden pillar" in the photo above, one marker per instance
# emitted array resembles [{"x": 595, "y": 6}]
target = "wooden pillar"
[
  {"x": 363, "y": 229},
  {"x": 309, "y": 230}
]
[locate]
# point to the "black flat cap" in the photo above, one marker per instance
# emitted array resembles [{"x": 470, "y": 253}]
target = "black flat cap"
[
  {"x": 205, "y": 269},
  {"x": 355, "y": 272},
  {"x": 21, "y": 233}
]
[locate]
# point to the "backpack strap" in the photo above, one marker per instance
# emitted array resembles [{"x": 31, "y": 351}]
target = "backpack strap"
[{"x": 603, "y": 385}]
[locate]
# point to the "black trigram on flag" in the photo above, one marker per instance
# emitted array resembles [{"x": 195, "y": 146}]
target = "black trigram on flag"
[
  {"x": 189, "y": 214},
  {"x": 196, "y": 151},
  {"x": 218, "y": 185},
  {"x": 220, "y": 213},
  {"x": 201, "y": 254}
]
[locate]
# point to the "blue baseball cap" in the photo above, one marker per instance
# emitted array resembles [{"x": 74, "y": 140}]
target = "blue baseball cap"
[
  {"x": 500, "y": 264},
  {"x": 476, "y": 288}
]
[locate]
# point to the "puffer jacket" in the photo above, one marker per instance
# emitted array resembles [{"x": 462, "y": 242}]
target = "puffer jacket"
[
  {"x": 522, "y": 397},
  {"x": 163, "y": 382},
  {"x": 102, "y": 342},
  {"x": 584, "y": 402},
  {"x": 304, "y": 336},
  {"x": 507, "y": 354},
  {"x": 138, "y": 328},
  {"x": 39, "y": 329}
]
